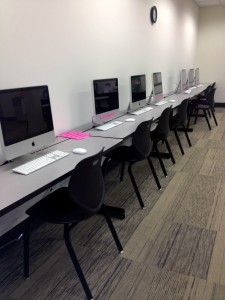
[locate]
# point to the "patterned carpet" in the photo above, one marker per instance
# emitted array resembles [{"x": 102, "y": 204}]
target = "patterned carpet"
[{"x": 173, "y": 249}]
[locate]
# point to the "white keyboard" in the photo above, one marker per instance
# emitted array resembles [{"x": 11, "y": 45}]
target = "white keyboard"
[
  {"x": 108, "y": 125},
  {"x": 140, "y": 111},
  {"x": 161, "y": 102},
  {"x": 40, "y": 162}
]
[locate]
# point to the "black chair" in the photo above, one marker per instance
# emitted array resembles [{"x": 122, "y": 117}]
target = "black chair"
[
  {"x": 138, "y": 151},
  {"x": 213, "y": 86},
  {"x": 160, "y": 134},
  {"x": 205, "y": 93},
  {"x": 68, "y": 206},
  {"x": 206, "y": 107},
  {"x": 179, "y": 120}
]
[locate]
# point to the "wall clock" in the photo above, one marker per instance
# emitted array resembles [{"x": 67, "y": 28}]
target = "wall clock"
[{"x": 153, "y": 14}]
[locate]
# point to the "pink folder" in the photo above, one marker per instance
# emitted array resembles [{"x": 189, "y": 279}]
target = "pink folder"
[{"x": 76, "y": 135}]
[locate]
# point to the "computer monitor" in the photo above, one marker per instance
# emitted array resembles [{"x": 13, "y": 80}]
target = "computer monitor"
[
  {"x": 138, "y": 91},
  {"x": 25, "y": 121},
  {"x": 106, "y": 100},
  {"x": 157, "y": 86},
  {"x": 196, "y": 76},
  {"x": 191, "y": 77},
  {"x": 184, "y": 80}
]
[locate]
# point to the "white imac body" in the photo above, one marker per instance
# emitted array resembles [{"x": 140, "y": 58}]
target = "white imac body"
[
  {"x": 106, "y": 100},
  {"x": 191, "y": 77},
  {"x": 138, "y": 92},
  {"x": 197, "y": 76},
  {"x": 157, "y": 86},
  {"x": 25, "y": 121},
  {"x": 184, "y": 80}
]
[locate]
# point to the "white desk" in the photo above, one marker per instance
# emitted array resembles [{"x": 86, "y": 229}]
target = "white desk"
[
  {"x": 16, "y": 189},
  {"x": 125, "y": 129}
]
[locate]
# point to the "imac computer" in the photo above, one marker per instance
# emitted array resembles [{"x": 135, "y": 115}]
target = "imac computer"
[
  {"x": 106, "y": 100},
  {"x": 184, "y": 80},
  {"x": 157, "y": 86},
  {"x": 197, "y": 76},
  {"x": 191, "y": 77},
  {"x": 138, "y": 92},
  {"x": 25, "y": 121}
]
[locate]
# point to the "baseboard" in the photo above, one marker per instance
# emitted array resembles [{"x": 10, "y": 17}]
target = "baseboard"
[{"x": 219, "y": 104}]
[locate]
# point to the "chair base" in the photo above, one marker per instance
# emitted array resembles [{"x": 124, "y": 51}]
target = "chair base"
[
  {"x": 116, "y": 212},
  {"x": 162, "y": 154},
  {"x": 187, "y": 129}
]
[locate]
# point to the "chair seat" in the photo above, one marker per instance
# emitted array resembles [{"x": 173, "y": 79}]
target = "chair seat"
[
  {"x": 176, "y": 121},
  {"x": 156, "y": 135},
  {"x": 57, "y": 208},
  {"x": 202, "y": 106},
  {"x": 124, "y": 153}
]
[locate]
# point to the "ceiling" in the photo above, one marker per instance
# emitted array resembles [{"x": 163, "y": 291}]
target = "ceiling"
[{"x": 210, "y": 2}]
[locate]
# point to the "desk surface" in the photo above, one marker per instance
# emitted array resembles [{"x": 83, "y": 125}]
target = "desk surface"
[
  {"x": 17, "y": 189},
  {"x": 127, "y": 128}
]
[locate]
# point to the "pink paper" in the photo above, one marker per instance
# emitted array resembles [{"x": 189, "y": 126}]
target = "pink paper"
[{"x": 76, "y": 135}]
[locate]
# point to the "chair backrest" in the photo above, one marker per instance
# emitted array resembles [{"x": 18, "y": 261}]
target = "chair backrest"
[
  {"x": 210, "y": 97},
  {"x": 182, "y": 111},
  {"x": 207, "y": 90},
  {"x": 213, "y": 85},
  {"x": 86, "y": 186},
  {"x": 141, "y": 139},
  {"x": 163, "y": 124}
]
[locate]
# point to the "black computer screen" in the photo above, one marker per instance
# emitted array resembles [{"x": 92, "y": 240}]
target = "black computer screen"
[
  {"x": 24, "y": 113},
  {"x": 157, "y": 83},
  {"x": 191, "y": 77},
  {"x": 106, "y": 96},
  {"x": 138, "y": 88}
]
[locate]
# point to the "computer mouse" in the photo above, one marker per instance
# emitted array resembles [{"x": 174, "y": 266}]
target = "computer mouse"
[
  {"x": 172, "y": 100},
  {"x": 130, "y": 120},
  {"x": 79, "y": 151}
]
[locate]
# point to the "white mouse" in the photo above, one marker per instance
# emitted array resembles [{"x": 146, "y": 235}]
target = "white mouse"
[
  {"x": 130, "y": 120},
  {"x": 79, "y": 151},
  {"x": 172, "y": 100}
]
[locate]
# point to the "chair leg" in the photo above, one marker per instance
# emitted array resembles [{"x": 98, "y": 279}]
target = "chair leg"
[
  {"x": 187, "y": 136},
  {"x": 207, "y": 120},
  {"x": 105, "y": 162},
  {"x": 209, "y": 113},
  {"x": 190, "y": 114},
  {"x": 170, "y": 152},
  {"x": 154, "y": 173},
  {"x": 188, "y": 122},
  {"x": 196, "y": 115},
  {"x": 178, "y": 141},
  {"x": 76, "y": 262},
  {"x": 112, "y": 228},
  {"x": 122, "y": 170},
  {"x": 135, "y": 186},
  {"x": 26, "y": 260},
  {"x": 160, "y": 160},
  {"x": 214, "y": 117}
]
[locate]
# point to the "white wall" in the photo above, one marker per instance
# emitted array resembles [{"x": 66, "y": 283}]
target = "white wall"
[
  {"x": 211, "y": 48},
  {"x": 68, "y": 43}
]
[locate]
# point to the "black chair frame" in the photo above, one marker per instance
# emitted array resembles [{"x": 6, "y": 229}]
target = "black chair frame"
[{"x": 84, "y": 212}]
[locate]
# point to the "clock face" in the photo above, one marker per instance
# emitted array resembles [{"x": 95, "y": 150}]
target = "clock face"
[{"x": 153, "y": 14}]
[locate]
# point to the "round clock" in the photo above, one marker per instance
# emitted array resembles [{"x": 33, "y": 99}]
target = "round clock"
[{"x": 153, "y": 14}]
